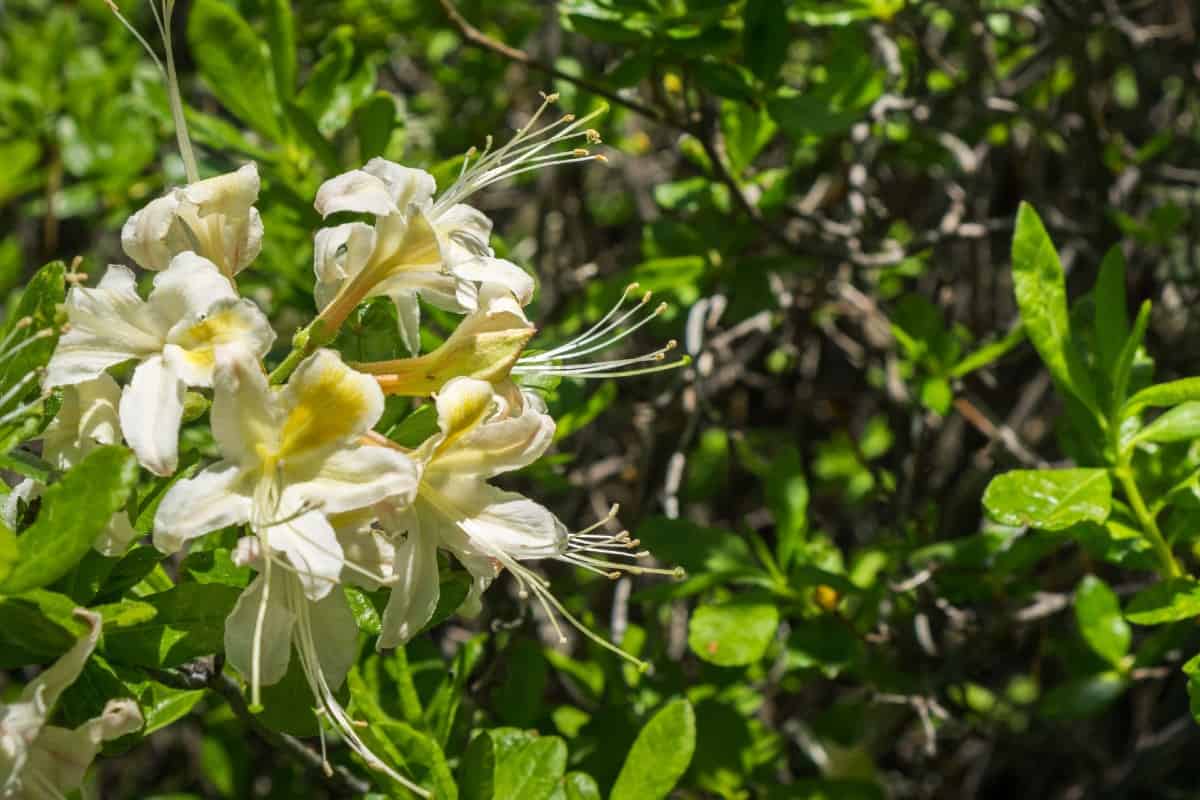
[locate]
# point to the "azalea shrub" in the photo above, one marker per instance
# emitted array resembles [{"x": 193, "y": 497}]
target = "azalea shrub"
[{"x": 698, "y": 399}]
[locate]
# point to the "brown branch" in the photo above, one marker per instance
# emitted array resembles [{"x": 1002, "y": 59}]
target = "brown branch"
[
  {"x": 481, "y": 39},
  {"x": 203, "y": 675}
]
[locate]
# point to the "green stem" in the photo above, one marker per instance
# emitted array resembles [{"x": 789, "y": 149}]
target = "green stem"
[{"x": 1149, "y": 526}]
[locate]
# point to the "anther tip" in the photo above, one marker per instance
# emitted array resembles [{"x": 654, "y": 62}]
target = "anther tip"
[
  {"x": 579, "y": 152},
  {"x": 616, "y": 508},
  {"x": 614, "y": 575},
  {"x": 327, "y": 769},
  {"x": 568, "y": 117},
  {"x": 671, "y": 345},
  {"x": 679, "y": 573},
  {"x": 662, "y": 307},
  {"x": 603, "y": 159},
  {"x": 646, "y": 297},
  {"x": 562, "y": 638}
]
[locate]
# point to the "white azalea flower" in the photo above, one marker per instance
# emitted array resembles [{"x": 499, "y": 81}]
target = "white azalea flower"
[
  {"x": 44, "y": 762},
  {"x": 291, "y": 456},
  {"x": 214, "y": 218},
  {"x": 192, "y": 314},
  {"x": 87, "y": 419},
  {"x": 434, "y": 247}
]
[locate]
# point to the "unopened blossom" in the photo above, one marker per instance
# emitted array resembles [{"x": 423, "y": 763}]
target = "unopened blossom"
[
  {"x": 87, "y": 419},
  {"x": 191, "y": 315},
  {"x": 435, "y": 247},
  {"x": 44, "y": 762},
  {"x": 214, "y": 218}
]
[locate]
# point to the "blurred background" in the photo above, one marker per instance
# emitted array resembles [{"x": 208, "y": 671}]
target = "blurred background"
[{"x": 824, "y": 193}]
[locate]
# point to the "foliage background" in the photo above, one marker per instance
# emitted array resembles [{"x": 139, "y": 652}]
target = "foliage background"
[{"x": 825, "y": 192}]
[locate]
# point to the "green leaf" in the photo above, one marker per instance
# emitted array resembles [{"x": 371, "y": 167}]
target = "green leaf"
[
  {"x": 1049, "y": 500},
  {"x": 988, "y": 353},
  {"x": 281, "y": 35},
  {"x": 1180, "y": 424},
  {"x": 527, "y": 766},
  {"x": 374, "y": 122},
  {"x": 660, "y": 754},
  {"x": 787, "y": 497},
  {"x": 188, "y": 621},
  {"x": 1041, "y": 294},
  {"x": 234, "y": 63},
  {"x": 1167, "y": 601},
  {"x": 733, "y": 634},
  {"x": 9, "y": 550},
  {"x": 1163, "y": 394},
  {"x": 1111, "y": 326},
  {"x": 39, "y": 303},
  {"x": 74, "y": 512},
  {"x": 1123, "y": 368},
  {"x": 765, "y": 37},
  {"x": 476, "y": 773},
  {"x": 1098, "y": 613},
  {"x": 36, "y": 627},
  {"x": 580, "y": 786},
  {"x": 1083, "y": 697}
]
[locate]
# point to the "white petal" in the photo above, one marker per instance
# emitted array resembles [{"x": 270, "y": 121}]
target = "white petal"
[
  {"x": 88, "y": 417},
  {"x": 415, "y": 593},
  {"x": 502, "y": 523},
  {"x": 147, "y": 235},
  {"x": 368, "y": 550},
  {"x": 501, "y": 444},
  {"x": 309, "y": 543},
  {"x": 20, "y": 495},
  {"x": 500, "y": 272},
  {"x": 407, "y": 186},
  {"x": 151, "y": 411},
  {"x": 192, "y": 507},
  {"x": 339, "y": 253},
  {"x": 245, "y": 412},
  {"x": 275, "y": 635},
  {"x": 463, "y": 404},
  {"x": 326, "y": 404},
  {"x": 231, "y": 194},
  {"x": 335, "y": 634},
  {"x": 188, "y": 287},
  {"x": 408, "y": 314},
  {"x": 41, "y": 694},
  {"x": 108, "y": 325},
  {"x": 445, "y": 290},
  {"x": 228, "y": 323},
  {"x": 353, "y": 478},
  {"x": 357, "y": 191},
  {"x": 465, "y": 231}
]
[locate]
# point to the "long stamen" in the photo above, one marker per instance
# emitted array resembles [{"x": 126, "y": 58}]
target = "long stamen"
[
  {"x": 256, "y": 651},
  {"x": 521, "y": 154}
]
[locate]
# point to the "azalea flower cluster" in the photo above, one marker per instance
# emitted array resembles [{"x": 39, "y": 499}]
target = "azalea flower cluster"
[{"x": 322, "y": 499}]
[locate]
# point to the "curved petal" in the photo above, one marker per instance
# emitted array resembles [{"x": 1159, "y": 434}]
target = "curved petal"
[
  {"x": 357, "y": 191},
  {"x": 340, "y": 253},
  {"x": 192, "y": 507},
  {"x": 108, "y": 325},
  {"x": 365, "y": 551},
  {"x": 190, "y": 286},
  {"x": 310, "y": 544},
  {"x": 245, "y": 413},
  {"x": 147, "y": 236},
  {"x": 501, "y": 273},
  {"x": 194, "y": 342},
  {"x": 151, "y": 411},
  {"x": 406, "y": 185},
  {"x": 463, "y": 404},
  {"x": 88, "y": 417},
  {"x": 335, "y": 634},
  {"x": 231, "y": 194},
  {"x": 408, "y": 317},
  {"x": 274, "y": 637},
  {"x": 500, "y": 523},
  {"x": 465, "y": 231},
  {"x": 501, "y": 444},
  {"x": 415, "y": 593},
  {"x": 352, "y": 478},
  {"x": 326, "y": 403}
]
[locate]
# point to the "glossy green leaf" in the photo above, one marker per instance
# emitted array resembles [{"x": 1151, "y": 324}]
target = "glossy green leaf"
[
  {"x": 1112, "y": 314},
  {"x": 1083, "y": 697},
  {"x": 74, "y": 512},
  {"x": 1041, "y": 293},
  {"x": 476, "y": 773},
  {"x": 188, "y": 621},
  {"x": 1050, "y": 500},
  {"x": 1166, "y": 601},
  {"x": 732, "y": 634},
  {"x": 39, "y": 304},
  {"x": 1180, "y": 424},
  {"x": 765, "y": 37},
  {"x": 787, "y": 497},
  {"x": 660, "y": 754},
  {"x": 1098, "y": 613},
  {"x": 281, "y": 36},
  {"x": 527, "y": 766},
  {"x": 1185, "y": 390},
  {"x": 9, "y": 550},
  {"x": 235, "y": 64}
]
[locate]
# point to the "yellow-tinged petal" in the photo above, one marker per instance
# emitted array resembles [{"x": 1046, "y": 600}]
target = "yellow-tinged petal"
[{"x": 326, "y": 403}]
